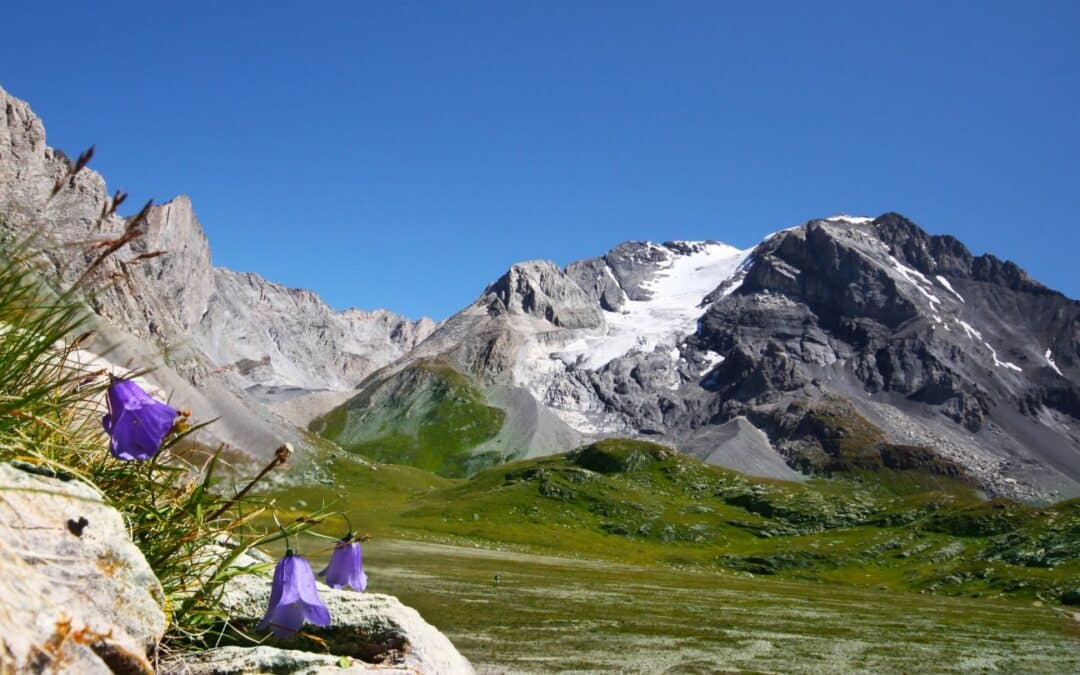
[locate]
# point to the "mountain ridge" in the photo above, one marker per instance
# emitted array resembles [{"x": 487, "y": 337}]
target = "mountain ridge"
[
  {"x": 806, "y": 338},
  {"x": 815, "y": 320},
  {"x": 161, "y": 299}
]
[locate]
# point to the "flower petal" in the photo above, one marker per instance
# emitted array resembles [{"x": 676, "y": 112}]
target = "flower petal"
[
  {"x": 318, "y": 615},
  {"x": 346, "y": 568},
  {"x": 287, "y": 619},
  {"x": 294, "y": 598},
  {"x": 136, "y": 423}
]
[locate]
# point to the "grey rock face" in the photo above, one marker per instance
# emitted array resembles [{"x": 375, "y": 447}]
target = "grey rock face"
[
  {"x": 738, "y": 444},
  {"x": 236, "y": 337},
  {"x": 938, "y": 347},
  {"x": 596, "y": 278},
  {"x": 56, "y": 583},
  {"x": 277, "y": 337},
  {"x": 542, "y": 290},
  {"x": 182, "y": 276},
  {"x": 267, "y": 334}
]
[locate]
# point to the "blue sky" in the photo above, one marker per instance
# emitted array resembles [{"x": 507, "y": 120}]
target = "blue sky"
[{"x": 404, "y": 154}]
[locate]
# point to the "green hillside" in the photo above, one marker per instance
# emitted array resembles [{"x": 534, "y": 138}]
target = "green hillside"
[{"x": 427, "y": 415}]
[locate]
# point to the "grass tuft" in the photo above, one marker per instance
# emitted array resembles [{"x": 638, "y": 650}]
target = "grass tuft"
[{"x": 177, "y": 507}]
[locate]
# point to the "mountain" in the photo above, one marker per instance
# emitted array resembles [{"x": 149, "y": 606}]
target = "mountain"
[
  {"x": 823, "y": 349},
  {"x": 287, "y": 343},
  {"x": 843, "y": 344},
  {"x": 232, "y": 345}
]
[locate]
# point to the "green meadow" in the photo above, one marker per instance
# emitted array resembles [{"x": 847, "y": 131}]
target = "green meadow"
[{"x": 625, "y": 555}]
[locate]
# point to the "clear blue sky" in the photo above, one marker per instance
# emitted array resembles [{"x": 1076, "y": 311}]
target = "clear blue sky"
[{"x": 403, "y": 154}]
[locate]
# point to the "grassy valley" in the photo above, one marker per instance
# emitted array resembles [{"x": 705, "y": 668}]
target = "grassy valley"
[
  {"x": 625, "y": 555},
  {"x": 557, "y": 614},
  {"x": 628, "y": 556},
  {"x": 643, "y": 503}
]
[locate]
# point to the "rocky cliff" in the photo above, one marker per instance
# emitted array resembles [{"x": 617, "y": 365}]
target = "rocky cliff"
[
  {"x": 236, "y": 345},
  {"x": 936, "y": 347}
]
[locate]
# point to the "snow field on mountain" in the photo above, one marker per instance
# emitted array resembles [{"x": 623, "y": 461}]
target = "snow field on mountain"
[{"x": 669, "y": 315}]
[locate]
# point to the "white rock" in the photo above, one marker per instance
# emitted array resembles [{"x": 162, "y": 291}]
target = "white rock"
[
  {"x": 71, "y": 603},
  {"x": 373, "y": 628},
  {"x": 264, "y": 659}
]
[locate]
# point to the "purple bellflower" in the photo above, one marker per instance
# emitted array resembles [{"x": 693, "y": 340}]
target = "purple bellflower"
[
  {"x": 294, "y": 600},
  {"x": 136, "y": 423},
  {"x": 346, "y": 568}
]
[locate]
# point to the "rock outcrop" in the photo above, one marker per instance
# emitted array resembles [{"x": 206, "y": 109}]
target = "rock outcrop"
[
  {"x": 264, "y": 659},
  {"x": 542, "y": 290},
  {"x": 375, "y": 629},
  {"x": 282, "y": 339},
  {"x": 78, "y": 596},
  {"x": 245, "y": 343},
  {"x": 937, "y": 347}
]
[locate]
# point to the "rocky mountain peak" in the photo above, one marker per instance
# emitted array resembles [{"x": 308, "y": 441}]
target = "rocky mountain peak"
[
  {"x": 539, "y": 288},
  {"x": 880, "y": 311},
  {"x": 183, "y": 273},
  {"x": 944, "y": 254},
  {"x": 862, "y": 322},
  {"x": 289, "y": 340}
]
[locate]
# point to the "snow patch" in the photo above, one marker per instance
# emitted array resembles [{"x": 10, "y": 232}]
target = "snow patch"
[
  {"x": 854, "y": 220},
  {"x": 974, "y": 335},
  {"x": 736, "y": 280},
  {"x": 1002, "y": 364},
  {"x": 789, "y": 273},
  {"x": 668, "y": 316},
  {"x": 1049, "y": 356},
  {"x": 971, "y": 332},
  {"x": 916, "y": 279},
  {"x": 945, "y": 282},
  {"x": 773, "y": 234},
  {"x": 712, "y": 359},
  {"x": 678, "y": 286}
]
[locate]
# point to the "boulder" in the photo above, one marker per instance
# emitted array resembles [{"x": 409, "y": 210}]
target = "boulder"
[
  {"x": 78, "y": 596},
  {"x": 264, "y": 659},
  {"x": 376, "y": 629}
]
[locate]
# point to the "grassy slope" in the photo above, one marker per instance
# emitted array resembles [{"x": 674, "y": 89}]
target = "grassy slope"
[
  {"x": 428, "y": 416},
  {"x": 642, "y": 503}
]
